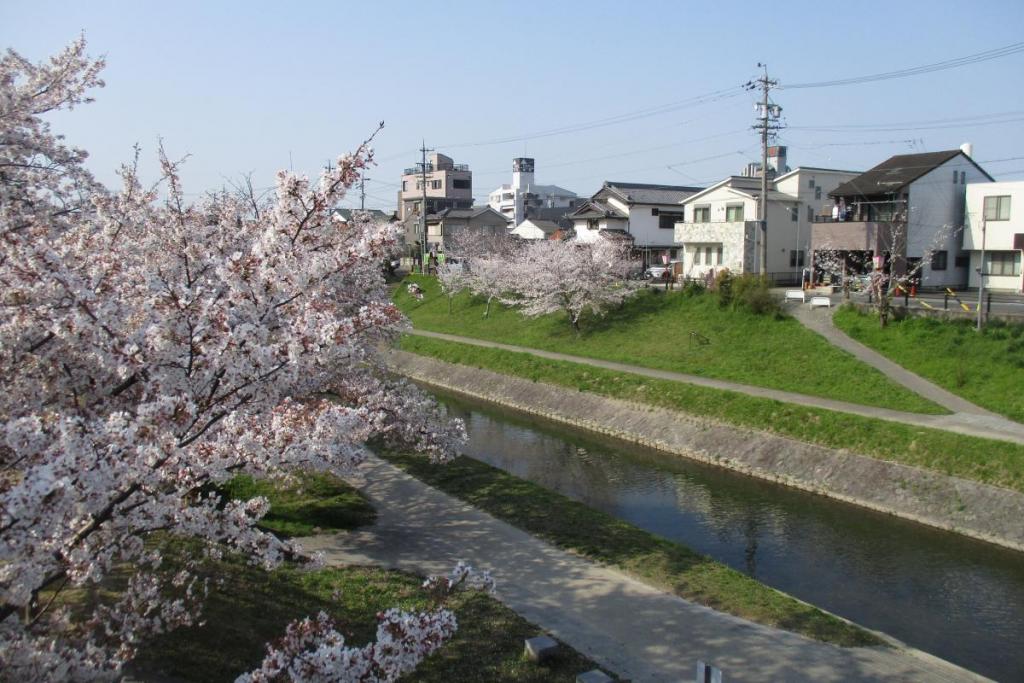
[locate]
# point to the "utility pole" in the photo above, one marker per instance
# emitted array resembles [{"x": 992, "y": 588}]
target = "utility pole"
[
  {"x": 767, "y": 124},
  {"x": 423, "y": 208},
  {"x": 981, "y": 272},
  {"x": 362, "y": 191}
]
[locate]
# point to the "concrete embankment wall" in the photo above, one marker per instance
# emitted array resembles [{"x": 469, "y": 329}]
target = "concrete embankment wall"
[{"x": 978, "y": 510}]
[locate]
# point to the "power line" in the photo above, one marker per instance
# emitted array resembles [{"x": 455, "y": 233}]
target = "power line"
[
  {"x": 609, "y": 121},
  {"x": 985, "y": 56}
]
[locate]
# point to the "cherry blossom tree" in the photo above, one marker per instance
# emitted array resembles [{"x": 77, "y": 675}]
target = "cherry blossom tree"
[
  {"x": 552, "y": 276},
  {"x": 487, "y": 269},
  {"x": 152, "y": 348}
]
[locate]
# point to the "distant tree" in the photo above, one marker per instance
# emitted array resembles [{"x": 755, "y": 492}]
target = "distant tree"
[{"x": 571, "y": 277}]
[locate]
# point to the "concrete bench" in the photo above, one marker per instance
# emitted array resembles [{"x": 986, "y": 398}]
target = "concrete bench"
[
  {"x": 820, "y": 301},
  {"x": 797, "y": 294}
]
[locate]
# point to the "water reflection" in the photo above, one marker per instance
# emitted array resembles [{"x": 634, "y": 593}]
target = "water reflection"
[{"x": 951, "y": 596}]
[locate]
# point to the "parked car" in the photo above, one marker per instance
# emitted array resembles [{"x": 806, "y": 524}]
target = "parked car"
[{"x": 656, "y": 272}]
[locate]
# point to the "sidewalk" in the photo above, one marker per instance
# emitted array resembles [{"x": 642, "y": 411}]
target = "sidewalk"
[
  {"x": 626, "y": 626},
  {"x": 978, "y": 423}
]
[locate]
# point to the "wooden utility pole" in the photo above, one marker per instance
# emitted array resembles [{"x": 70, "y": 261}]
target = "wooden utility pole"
[{"x": 767, "y": 124}]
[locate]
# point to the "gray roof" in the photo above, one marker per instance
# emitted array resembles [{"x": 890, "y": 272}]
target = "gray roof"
[
  {"x": 551, "y": 189},
  {"x": 895, "y": 173},
  {"x": 464, "y": 213},
  {"x": 644, "y": 193},
  {"x": 593, "y": 208}
]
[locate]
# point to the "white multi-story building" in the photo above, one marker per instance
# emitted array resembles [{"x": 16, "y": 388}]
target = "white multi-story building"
[
  {"x": 720, "y": 226},
  {"x": 994, "y": 222},
  {"x": 909, "y": 212},
  {"x": 524, "y": 198}
]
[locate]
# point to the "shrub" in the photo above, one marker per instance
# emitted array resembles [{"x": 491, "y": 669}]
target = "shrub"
[
  {"x": 752, "y": 292},
  {"x": 723, "y": 287}
]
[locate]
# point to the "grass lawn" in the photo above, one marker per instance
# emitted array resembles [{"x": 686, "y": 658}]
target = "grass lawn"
[
  {"x": 598, "y": 536},
  {"x": 993, "y": 462},
  {"x": 654, "y": 330},
  {"x": 986, "y": 369},
  {"x": 312, "y": 503}
]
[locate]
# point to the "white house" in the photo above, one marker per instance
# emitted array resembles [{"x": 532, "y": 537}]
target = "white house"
[
  {"x": 909, "y": 210},
  {"x": 535, "y": 229},
  {"x": 524, "y": 198},
  {"x": 994, "y": 221},
  {"x": 641, "y": 213},
  {"x": 720, "y": 226}
]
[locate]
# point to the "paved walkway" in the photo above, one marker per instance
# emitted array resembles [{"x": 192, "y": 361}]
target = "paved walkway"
[
  {"x": 626, "y": 626},
  {"x": 975, "y": 423}
]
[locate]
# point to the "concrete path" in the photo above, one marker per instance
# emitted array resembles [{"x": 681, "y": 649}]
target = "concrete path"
[
  {"x": 626, "y": 626},
  {"x": 981, "y": 423},
  {"x": 820, "y": 320}
]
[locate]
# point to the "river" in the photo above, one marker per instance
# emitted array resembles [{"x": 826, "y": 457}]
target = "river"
[{"x": 954, "y": 597}]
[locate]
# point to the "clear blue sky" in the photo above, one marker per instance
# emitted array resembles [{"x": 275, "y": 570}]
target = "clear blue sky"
[{"x": 245, "y": 86}]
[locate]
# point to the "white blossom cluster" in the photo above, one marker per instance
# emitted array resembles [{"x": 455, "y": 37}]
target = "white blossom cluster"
[
  {"x": 544, "y": 276},
  {"x": 150, "y": 348}
]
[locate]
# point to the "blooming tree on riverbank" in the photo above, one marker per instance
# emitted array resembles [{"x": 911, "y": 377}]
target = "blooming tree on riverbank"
[
  {"x": 573, "y": 277},
  {"x": 151, "y": 348}
]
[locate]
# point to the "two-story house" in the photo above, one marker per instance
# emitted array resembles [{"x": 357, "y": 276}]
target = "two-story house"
[
  {"x": 907, "y": 212},
  {"x": 640, "y": 213},
  {"x": 994, "y": 224},
  {"x": 720, "y": 226}
]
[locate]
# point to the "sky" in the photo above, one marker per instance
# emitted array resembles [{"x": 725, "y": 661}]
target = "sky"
[{"x": 634, "y": 92}]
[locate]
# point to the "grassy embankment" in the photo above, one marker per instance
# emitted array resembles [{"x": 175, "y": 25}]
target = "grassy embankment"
[
  {"x": 986, "y": 369},
  {"x": 653, "y": 330},
  {"x": 248, "y": 606},
  {"x": 598, "y": 536},
  {"x": 993, "y": 462}
]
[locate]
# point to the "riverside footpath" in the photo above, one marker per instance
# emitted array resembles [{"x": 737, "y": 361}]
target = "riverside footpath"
[
  {"x": 631, "y": 629},
  {"x": 966, "y": 418}
]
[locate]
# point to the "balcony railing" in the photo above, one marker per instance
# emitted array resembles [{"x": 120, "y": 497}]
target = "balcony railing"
[{"x": 418, "y": 168}]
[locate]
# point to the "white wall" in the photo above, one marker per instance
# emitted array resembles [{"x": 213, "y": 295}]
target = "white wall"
[
  {"x": 735, "y": 238},
  {"x": 936, "y": 218},
  {"x": 998, "y": 234}
]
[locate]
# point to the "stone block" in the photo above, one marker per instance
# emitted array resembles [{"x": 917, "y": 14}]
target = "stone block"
[
  {"x": 595, "y": 676},
  {"x": 541, "y": 648}
]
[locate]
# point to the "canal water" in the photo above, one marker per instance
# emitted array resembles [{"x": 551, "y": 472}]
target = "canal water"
[{"x": 956, "y": 598}]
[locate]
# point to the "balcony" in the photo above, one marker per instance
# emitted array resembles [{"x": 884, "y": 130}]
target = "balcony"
[
  {"x": 418, "y": 168},
  {"x": 830, "y": 235}
]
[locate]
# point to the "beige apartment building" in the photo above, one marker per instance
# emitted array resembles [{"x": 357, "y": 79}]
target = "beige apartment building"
[{"x": 449, "y": 186}]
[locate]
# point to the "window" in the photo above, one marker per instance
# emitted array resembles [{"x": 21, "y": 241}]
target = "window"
[
  {"x": 810, "y": 214},
  {"x": 939, "y": 260},
  {"x": 1002, "y": 263},
  {"x": 435, "y": 184},
  {"x": 997, "y": 208},
  {"x": 734, "y": 213},
  {"x": 963, "y": 177},
  {"x": 405, "y": 185},
  {"x": 419, "y": 185},
  {"x": 696, "y": 256},
  {"x": 956, "y": 175},
  {"x": 810, "y": 183},
  {"x": 667, "y": 220},
  {"x": 707, "y": 255},
  {"x": 962, "y": 261},
  {"x": 796, "y": 258},
  {"x": 817, "y": 192},
  {"x": 462, "y": 184},
  {"x": 794, "y": 214},
  {"x": 719, "y": 255},
  {"x": 702, "y": 214},
  {"x": 654, "y": 211}
]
